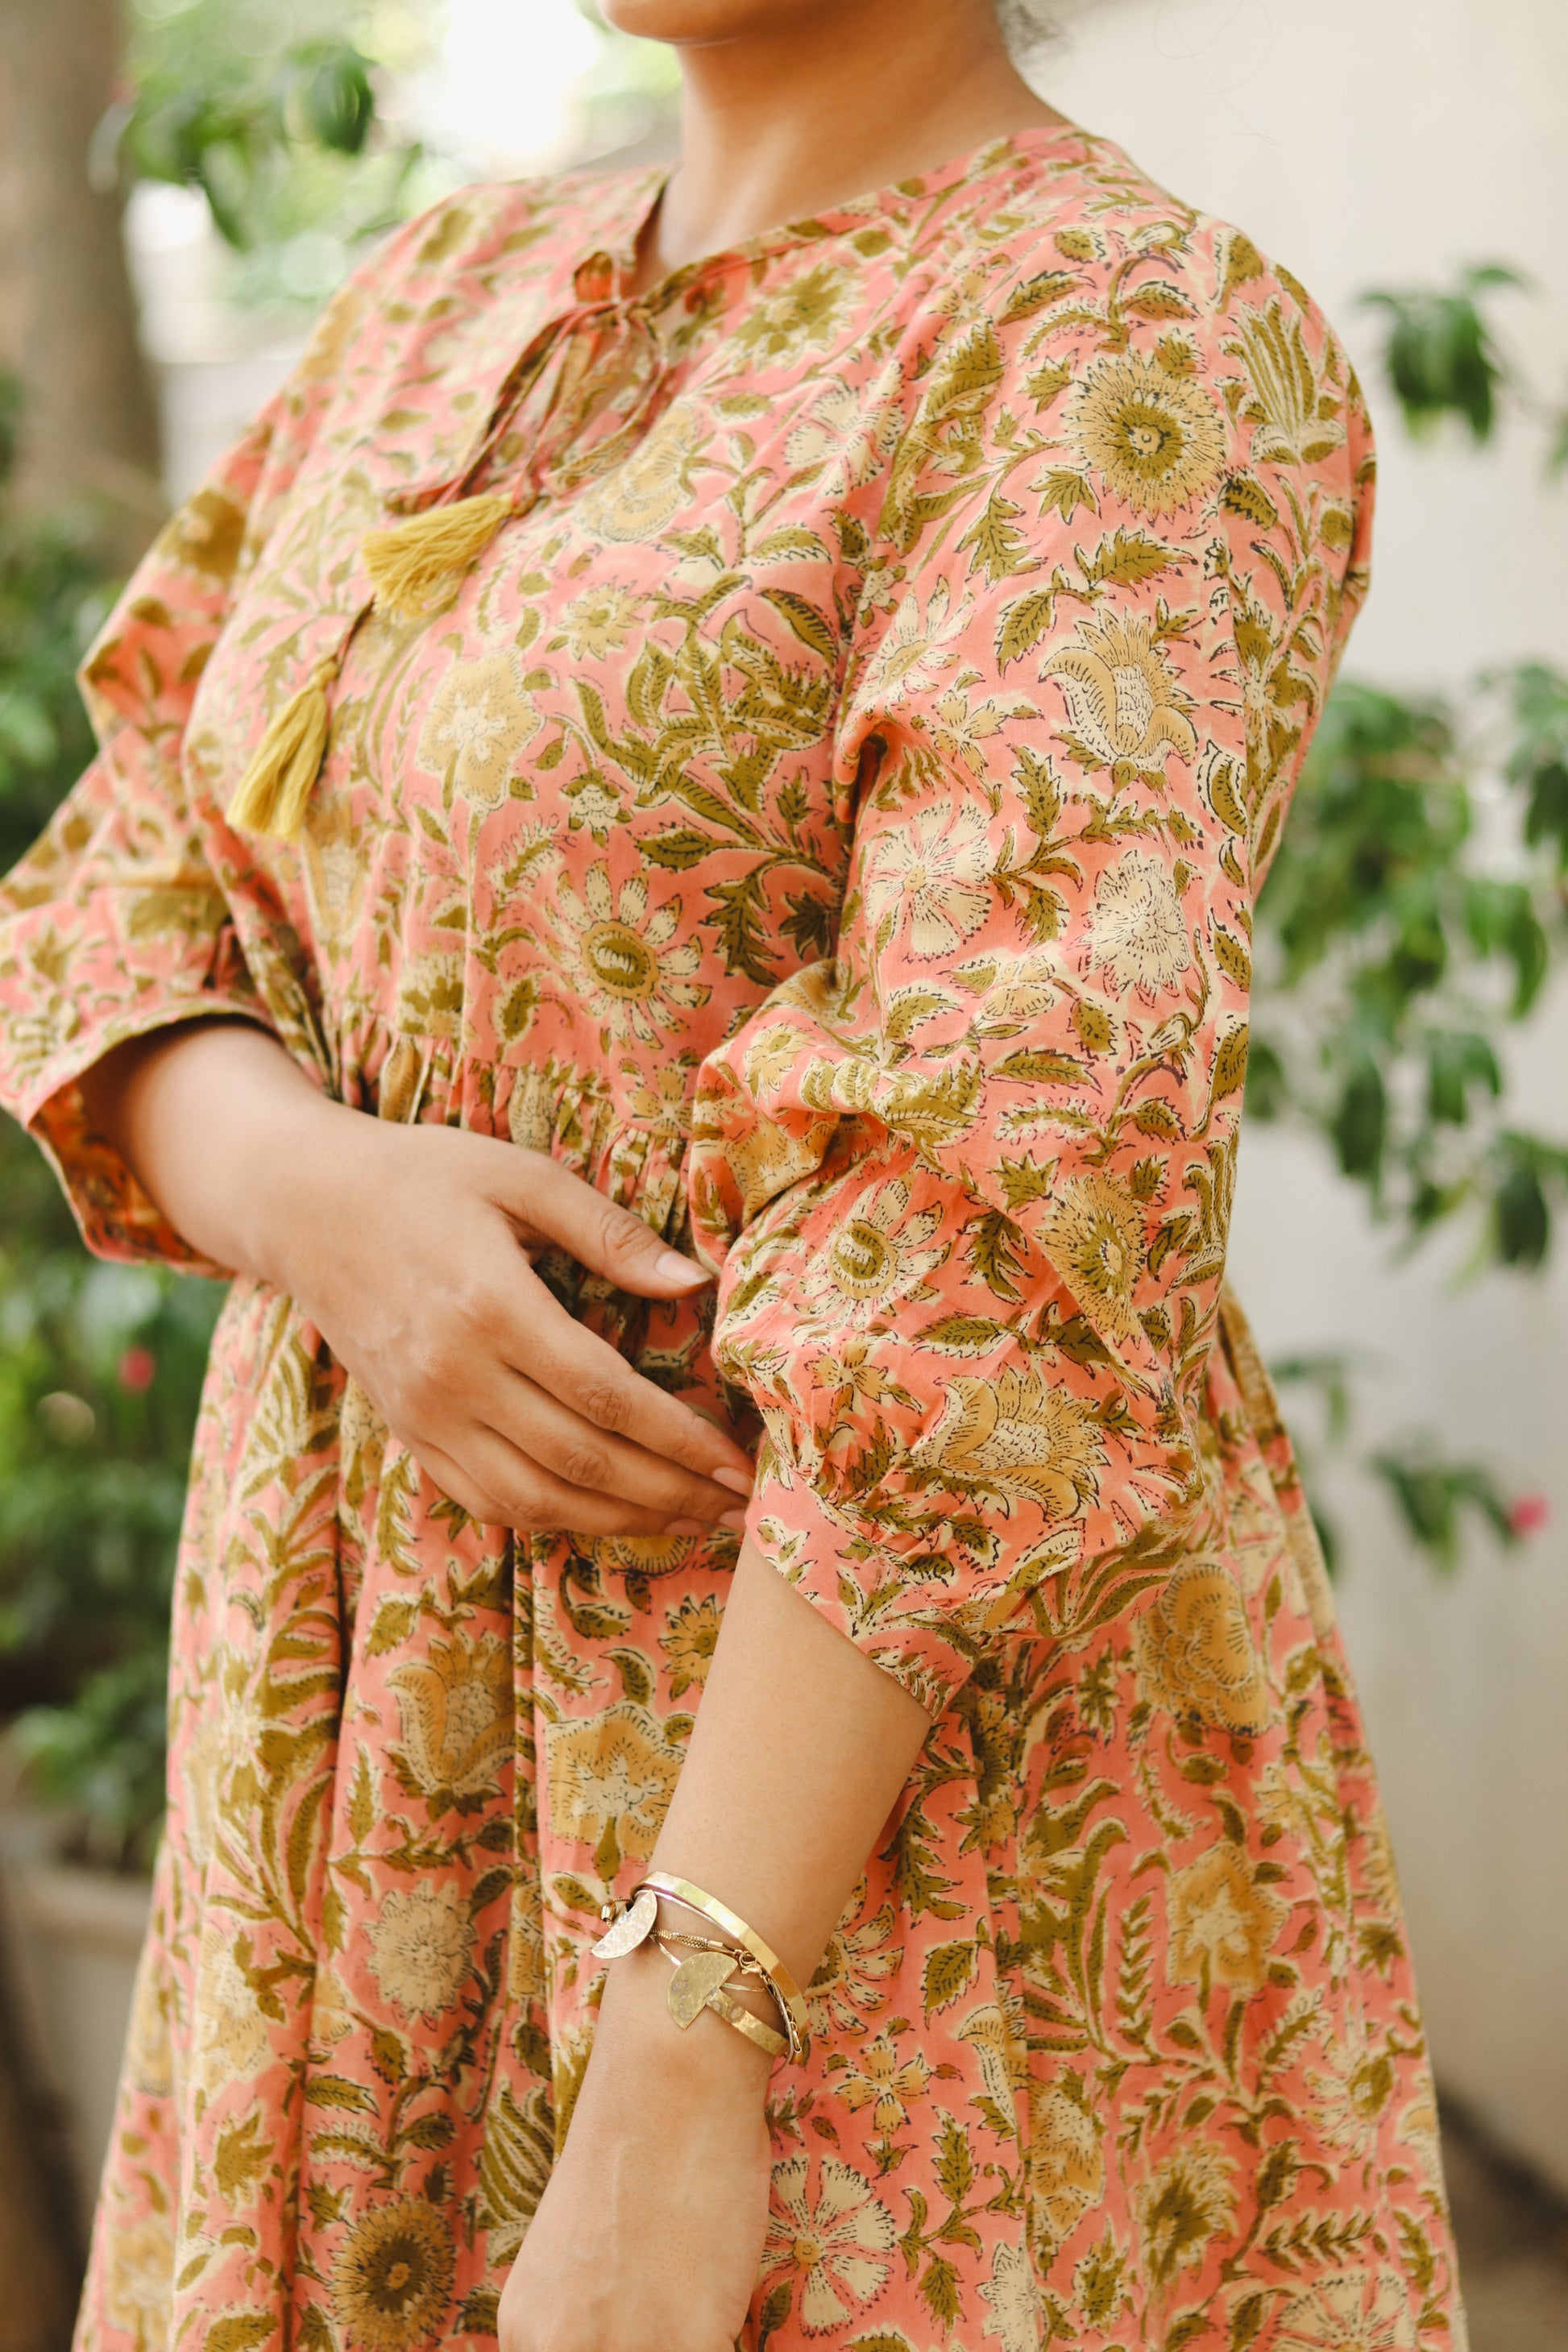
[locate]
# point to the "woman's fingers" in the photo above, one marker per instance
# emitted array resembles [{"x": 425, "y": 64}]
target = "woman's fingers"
[
  {"x": 586, "y": 1456},
  {"x": 557, "y": 1354},
  {"x": 535, "y": 1502},
  {"x": 454, "y": 1481},
  {"x": 550, "y": 1203}
]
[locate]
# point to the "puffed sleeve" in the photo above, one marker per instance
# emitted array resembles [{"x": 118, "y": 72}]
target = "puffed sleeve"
[
  {"x": 968, "y": 1181},
  {"x": 116, "y": 923}
]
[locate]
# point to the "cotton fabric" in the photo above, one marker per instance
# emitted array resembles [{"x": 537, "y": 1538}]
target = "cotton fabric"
[{"x": 828, "y": 818}]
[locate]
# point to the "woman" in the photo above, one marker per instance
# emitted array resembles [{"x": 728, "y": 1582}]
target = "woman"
[{"x": 679, "y": 732}]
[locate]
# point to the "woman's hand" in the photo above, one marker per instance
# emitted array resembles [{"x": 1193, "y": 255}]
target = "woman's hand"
[
  {"x": 419, "y": 1278},
  {"x": 649, "y": 2234},
  {"x": 409, "y": 1248}
]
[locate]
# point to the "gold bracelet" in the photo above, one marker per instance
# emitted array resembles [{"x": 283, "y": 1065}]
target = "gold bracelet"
[
  {"x": 785, "y": 1991},
  {"x": 692, "y": 1987},
  {"x": 632, "y": 1922},
  {"x": 701, "y": 1971},
  {"x": 744, "y": 1964}
]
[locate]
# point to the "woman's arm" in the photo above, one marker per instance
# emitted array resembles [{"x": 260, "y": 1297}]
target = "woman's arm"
[
  {"x": 409, "y": 1249},
  {"x": 651, "y": 2228}
]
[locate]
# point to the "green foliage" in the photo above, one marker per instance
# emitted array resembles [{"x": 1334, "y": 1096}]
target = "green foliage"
[
  {"x": 100, "y": 1370},
  {"x": 1442, "y": 359},
  {"x": 1400, "y": 936},
  {"x": 273, "y": 110},
  {"x": 1538, "y": 760},
  {"x": 52, "y": 597},
  {"x": 1432, "y": 1491}
]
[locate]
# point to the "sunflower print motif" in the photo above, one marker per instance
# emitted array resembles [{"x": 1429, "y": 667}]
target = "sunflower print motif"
[{"x": 826, "y": 818}]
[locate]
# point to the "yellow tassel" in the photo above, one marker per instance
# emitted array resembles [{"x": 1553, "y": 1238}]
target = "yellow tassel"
[
  {"x": 416, "y": 565},
  {"x": 275, "y": 790}
]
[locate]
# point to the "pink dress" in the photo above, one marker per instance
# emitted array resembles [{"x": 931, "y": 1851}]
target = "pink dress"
[{"x": 827, "y": 815}]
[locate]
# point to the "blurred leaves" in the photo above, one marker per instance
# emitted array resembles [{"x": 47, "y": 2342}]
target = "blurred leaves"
[
  {"x": 94, "y": 1447},
  {"x": 275, "y": 112},
  {"x": 1433, "y": 1492},
  {"x": 1442, "y": 359},
  {"x": 1414, "y": 913},
  {"x": 1440, "y": 354}
]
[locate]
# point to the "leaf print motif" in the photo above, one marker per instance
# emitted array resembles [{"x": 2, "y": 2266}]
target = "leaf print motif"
[
  {"x": 1186, "y": 2201},
  {"x": 1093, "y": 1233},
  {"x": 916, "y": 646},
  {"x": 881, "y": 719},
  {"x": 1296, "y": 420},
  {"x": 807, "y": 311}
]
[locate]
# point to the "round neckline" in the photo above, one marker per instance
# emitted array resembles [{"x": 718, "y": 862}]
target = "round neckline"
[{"x": 645, "y": 192}]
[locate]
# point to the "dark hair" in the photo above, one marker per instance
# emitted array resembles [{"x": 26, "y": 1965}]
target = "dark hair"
[{"x": 1027, "y": 24}]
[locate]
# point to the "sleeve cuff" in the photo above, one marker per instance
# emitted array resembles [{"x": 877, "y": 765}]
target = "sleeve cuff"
[
  {"x": 117, "y": 1217},
  {"x": 896, "y": 1611}
]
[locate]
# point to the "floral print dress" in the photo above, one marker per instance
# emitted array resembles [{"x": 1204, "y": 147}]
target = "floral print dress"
[{"x": 827, "y": 816}]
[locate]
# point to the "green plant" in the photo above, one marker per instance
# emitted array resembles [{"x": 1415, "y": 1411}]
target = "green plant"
[
  {"x": 1399, "y": 938},
  {"x": 100, "y": 1370},
  {"x": 274, "y": 110},
  {"x": 1433, "y": 1492},
  {"x": 1442, "y": 358}
]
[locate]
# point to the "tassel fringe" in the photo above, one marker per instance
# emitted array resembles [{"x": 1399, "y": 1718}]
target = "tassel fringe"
[
  {"x": 275, "y": 790},
  {"x": 417, "y": 566}
]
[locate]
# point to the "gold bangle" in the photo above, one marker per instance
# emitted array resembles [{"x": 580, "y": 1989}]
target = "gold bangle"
[
  {"x": 791, "y": 2004},
  {"x": 714, "y": 1997},
  {"x": 744, "y": 1964},
  {"x": 633, "y": 1920}
]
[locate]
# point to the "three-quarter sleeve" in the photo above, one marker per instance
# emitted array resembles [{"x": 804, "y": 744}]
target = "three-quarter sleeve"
[
  {"x": 968, "y": 1181},
  {"x": 116, "y": 924}
]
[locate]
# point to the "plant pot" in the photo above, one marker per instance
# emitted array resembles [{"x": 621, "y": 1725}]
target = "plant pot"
[{"x": 72, "y": 1937}]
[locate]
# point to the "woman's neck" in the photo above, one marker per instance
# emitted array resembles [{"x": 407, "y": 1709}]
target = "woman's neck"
[{"x": 817, "y": 104}]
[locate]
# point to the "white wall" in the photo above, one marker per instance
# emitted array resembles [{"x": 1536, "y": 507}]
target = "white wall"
[{"x": 1366, "y": 142}]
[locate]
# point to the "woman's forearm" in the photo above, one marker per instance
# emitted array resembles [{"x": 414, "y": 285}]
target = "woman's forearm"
[
  {"x": 801, "y": 1748},
  {"x": 225, "y": 1133}
]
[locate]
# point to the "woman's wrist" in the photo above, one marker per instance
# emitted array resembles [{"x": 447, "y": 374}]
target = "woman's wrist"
[
  {"x": 638, "y": 2043},
  {"x": 308, "y": 1186}
]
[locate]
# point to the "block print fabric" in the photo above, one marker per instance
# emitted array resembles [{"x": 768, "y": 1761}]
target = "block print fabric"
[{"x": 828, "y": 817}]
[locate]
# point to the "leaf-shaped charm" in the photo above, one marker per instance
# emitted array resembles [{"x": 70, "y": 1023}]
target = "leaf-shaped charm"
[
  {"x": 629, "y": 1930},
  {"x": 699, "y": 1974}
]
